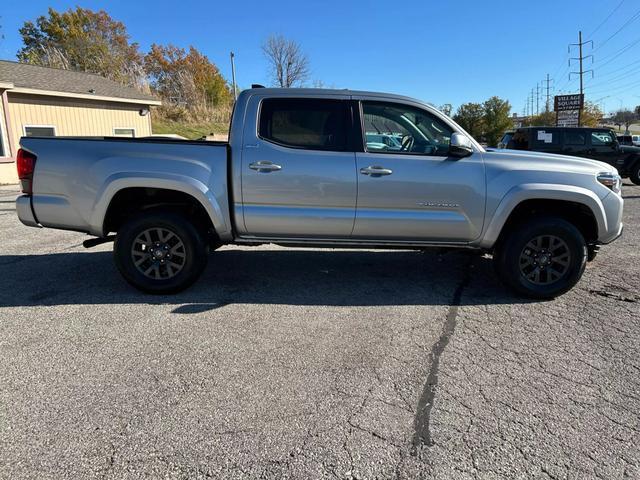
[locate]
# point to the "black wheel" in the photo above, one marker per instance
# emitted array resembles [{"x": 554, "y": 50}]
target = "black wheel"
[
  {"x": 159, "y": 252},
  {"x": 542, "y": 258},
  {"x": 634, "y": 175}
]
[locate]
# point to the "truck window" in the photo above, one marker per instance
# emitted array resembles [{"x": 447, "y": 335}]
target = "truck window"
[
  {"x": 574, "y": 138},
  {"x": 409, "y": 130},
  {"x": 315, "y": 124},
  {"x": 519, "y": 141},
  {"x": 602, "y": 138},
  {"x": 545, "y": 138}
]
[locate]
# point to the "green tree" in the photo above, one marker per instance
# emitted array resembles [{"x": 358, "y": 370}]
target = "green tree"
[
  {"x": 83, "y": 40},
  {"x": 470, "y": 116},
  {"x": 624, "y": 117},
  {"x": 186, "y": 79},
  {"x": 446, "y": 109},
  {"x": 496, "y": 119},
  {"x": 544, "y": 119}
]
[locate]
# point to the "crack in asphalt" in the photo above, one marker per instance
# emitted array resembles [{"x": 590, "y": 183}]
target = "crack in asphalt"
[
  {"x": 422, "y": 431},
  {"x": 615, "y": 295}
]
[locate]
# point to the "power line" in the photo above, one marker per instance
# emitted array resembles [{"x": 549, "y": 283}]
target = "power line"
[
  {"x": 619, "y": 69},
  {"x": 619, "y": 52},
  {"x": 618, "y": 88},
  {"x": 633, "y": 18},
  {"x": 605, "y": 20},
  {"x": 616, "y": 79}
]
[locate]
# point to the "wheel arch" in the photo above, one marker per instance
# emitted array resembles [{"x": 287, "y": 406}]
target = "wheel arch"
[
  {"x": 121, "y": 185},
  {"x": 578, "y": 205}
]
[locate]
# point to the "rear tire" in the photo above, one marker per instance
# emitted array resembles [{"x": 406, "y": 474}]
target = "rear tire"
[
  {"x": 634, "y": 175},
  {"x": 160, "y": 252},
  {"x": 542, "y": 258}
]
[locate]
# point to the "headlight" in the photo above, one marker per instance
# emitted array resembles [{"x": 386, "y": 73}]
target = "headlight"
[{"x": 610, "y": 180}]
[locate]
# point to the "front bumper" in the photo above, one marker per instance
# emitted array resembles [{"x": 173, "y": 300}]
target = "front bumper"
[{"x": 25, "y": 212}]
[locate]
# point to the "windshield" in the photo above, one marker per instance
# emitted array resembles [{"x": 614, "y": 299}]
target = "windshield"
[{"x": 504, "y": 142}]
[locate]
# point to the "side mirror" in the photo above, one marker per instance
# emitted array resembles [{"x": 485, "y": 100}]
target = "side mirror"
[{"x": 460, "y": 146}]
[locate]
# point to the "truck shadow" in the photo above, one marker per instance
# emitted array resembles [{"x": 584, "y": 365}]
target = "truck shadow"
[{"x": 261, "y": 276}]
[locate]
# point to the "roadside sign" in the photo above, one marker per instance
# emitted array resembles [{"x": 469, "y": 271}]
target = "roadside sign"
[
  {"x": 568, "y": 108},
  {"x": 568, "y": 118},
  {"x": 563, "y": 103}
]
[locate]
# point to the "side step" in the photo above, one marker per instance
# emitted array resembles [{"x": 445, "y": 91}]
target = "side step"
[{"x": 94, "y": 242}]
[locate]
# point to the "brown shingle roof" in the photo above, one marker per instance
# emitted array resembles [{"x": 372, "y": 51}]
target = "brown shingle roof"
[{"x": 24, "y": 75}]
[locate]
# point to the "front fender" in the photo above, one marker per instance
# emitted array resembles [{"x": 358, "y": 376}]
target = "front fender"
[
  {"x": 169, "y": 181},
  {"x": 533, "y": 191}
]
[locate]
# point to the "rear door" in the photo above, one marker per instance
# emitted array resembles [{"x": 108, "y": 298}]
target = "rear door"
[
  {"x": 548, "y": 140},
  {"x": 576, "y": 142},
  {"x": 298, "y": 169},
  {"x": 417, "y": 192}
]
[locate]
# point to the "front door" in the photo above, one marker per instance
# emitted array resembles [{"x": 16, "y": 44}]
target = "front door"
[
  {"x": 415, "y": 191},
  {"x": 298, "y": 174},
  {"x": 604, "y": 147}
]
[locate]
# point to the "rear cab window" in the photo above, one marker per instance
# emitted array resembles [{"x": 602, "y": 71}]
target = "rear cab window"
[{"x": 307, "y": 123}]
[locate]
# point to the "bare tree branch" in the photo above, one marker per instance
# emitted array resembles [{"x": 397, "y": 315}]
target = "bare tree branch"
[{"x": 289, "y": 65}]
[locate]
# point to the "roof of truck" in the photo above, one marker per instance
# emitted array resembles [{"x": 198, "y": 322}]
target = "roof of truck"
[{"x": 331, "y": 92}]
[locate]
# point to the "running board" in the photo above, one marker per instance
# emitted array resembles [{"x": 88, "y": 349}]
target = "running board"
[
  {"x": 94, "y": 242},
  {"x": 341, "y": 243}
]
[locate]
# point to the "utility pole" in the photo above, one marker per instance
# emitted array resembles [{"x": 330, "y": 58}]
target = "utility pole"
[
  {"x": 546, "y": 105},
  {"x": 233, "y": 77},
  {"x": 532, "y": 99},
  {"x": 580, "y": 58},
  {"x": 537, "y": 98}
]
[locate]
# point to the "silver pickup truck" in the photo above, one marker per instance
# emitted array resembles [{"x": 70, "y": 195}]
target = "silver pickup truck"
[{"x": 323, "y": 168}]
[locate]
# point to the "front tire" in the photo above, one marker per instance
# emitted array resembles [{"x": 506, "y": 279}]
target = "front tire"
[
  {"x": 542, "y": 258},
  {"x": 160, "y": 252}
]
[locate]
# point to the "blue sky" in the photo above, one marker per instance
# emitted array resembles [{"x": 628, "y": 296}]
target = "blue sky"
[{"x": 441, "y": 52}]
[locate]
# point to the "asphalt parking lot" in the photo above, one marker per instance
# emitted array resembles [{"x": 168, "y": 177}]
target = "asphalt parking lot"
[{"x": 302, "y": 363}]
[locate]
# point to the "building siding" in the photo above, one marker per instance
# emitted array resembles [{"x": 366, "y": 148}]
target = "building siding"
[
  {"x": 74, "y": 117},
  {"x": 70, "y": 117}
]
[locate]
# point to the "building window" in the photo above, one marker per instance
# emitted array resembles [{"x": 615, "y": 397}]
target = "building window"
[
  {"x": 39, "y": 131},
  {"x": 124, "y": 132}
]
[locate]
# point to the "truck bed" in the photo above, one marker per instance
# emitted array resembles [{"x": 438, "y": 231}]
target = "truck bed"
[{"x": 75, "y": 178}]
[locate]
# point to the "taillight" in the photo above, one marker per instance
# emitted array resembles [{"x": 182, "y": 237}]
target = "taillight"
[{"x": 26, "y": 163}]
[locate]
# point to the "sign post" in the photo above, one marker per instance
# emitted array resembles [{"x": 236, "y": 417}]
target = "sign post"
[{"x": 568, "y": 109}]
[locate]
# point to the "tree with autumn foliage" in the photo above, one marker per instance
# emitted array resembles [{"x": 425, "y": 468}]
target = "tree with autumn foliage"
[
  {"x": 84, "y": 40},
  {"x": 186, "y": 80}
]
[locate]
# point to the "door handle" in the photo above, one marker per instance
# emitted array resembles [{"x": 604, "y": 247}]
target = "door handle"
[
  {"x": 375, "y": 171},
  {"x": 264, "y": 166}
]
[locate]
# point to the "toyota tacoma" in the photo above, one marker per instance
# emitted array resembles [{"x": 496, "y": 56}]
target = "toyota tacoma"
[{"x": 298, "y": 170}]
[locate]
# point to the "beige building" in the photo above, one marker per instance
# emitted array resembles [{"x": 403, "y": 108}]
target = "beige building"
[{"x": 40, "y": 101}]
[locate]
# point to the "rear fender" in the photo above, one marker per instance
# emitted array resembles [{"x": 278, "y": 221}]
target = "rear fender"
[{"x": 116, "y": 182}]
